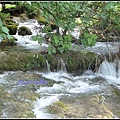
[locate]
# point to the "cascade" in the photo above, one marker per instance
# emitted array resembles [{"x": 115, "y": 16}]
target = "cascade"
[
  {"x": 110, "y": 69},
  {"x": 26, "y": 41},
  {"x": 48, "y": 66},
  {"x": 62, "y": 65}
]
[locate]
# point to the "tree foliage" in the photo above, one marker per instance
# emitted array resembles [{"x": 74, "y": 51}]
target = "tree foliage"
[
  {"x": 4, "y": 32},
  {"x": 99, "y": 20},
  {"x": 63, "y": 14}
]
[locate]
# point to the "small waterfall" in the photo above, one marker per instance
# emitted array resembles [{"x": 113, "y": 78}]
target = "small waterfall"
[
  {"x": 110, "y": 69},
  {"x": 26, "y": 40},
  {"x": 48, "y": 66},
  {"x": 62, "y": 65}
]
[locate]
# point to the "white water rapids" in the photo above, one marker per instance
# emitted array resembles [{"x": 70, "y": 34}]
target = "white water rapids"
[
  {"x": 70, "y": 85},
  {"x": 73, "y": 85},
  {"x": 110, "y": 70}
]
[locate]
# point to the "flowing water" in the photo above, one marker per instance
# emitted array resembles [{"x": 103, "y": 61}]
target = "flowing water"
[
  {"x": 74, "y": 86},
  {"x": 65, "y": 87},
  {"x": 90, "y": 95}
]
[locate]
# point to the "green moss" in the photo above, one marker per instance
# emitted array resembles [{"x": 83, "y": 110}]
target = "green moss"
[
  {"x": 71, "y": 60},
  {"x": 71, "y": 63},
  {"x": 27, "y": 114},
  {"x": 24, "y": 31},
  {"x": 28, "y": 95},
  {"x": 23, "y": 16},
  {"x": 28, "y": 60},
  {"x": 10, "y": 42},
  {"x": 41, "y": 20},
  {"x": 41, "y": 60},
  {"x": 60, "y": 104},
  {"x": 57, "y": 108},
  {"x": 12, "y": 29},
  {"x": 11, "y": 22},
  {"x": 1, "y": 88},
  {"x": 11, "y": 25},
  {"x": 52, "y": 60}
]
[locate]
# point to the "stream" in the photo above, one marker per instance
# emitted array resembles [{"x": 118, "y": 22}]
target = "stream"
[{"x": 90, "y": 95}]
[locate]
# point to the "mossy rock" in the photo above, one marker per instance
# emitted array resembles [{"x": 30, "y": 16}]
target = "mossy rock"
[
  {"x": 12, "y": 29},
  {"x": 23, "y": 17},
  {"x": 7, "y": 42},
  {"x": 11, "y": 25},
  {"x": 60, "y": 104},
  {"x": 1, "y": 88},
  {"x": 24, "y": 31},
  {"x": 11, "y": 22},
  {"x": 52, "y": 60},
  {"x": 41, "y": 20},
  {"x": 56, "y": 108},
  {"x": 73, "y": 60},
  {"x": 41, "y": 60}
]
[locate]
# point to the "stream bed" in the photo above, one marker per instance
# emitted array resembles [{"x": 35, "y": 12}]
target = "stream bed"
[{"x": 83, "y": 96}]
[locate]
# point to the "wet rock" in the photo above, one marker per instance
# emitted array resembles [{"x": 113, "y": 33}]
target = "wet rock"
[
  {"x": 90, "y": 106},
  {"x": 8, "y": 42},
  {"x": 17, "y": 105},
  {"x": 23, "y": 17},
  {"x": 12, "y": 28},
  {"x": 88, "y": 72},
  {"x": 57, "y": 108},
  {"x": 18, "y": 110},
  {"x": 28, "y": 95},
  {"x": 24, "y": 31}
]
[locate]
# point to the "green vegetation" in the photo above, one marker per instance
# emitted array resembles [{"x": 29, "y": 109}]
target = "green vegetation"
[
  {"x": 98, "y": 20},
  {"x": 4, "y": 32}
]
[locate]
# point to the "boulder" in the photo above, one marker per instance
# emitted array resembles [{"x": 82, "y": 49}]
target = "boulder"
[{"x": 24, "y": 31}]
